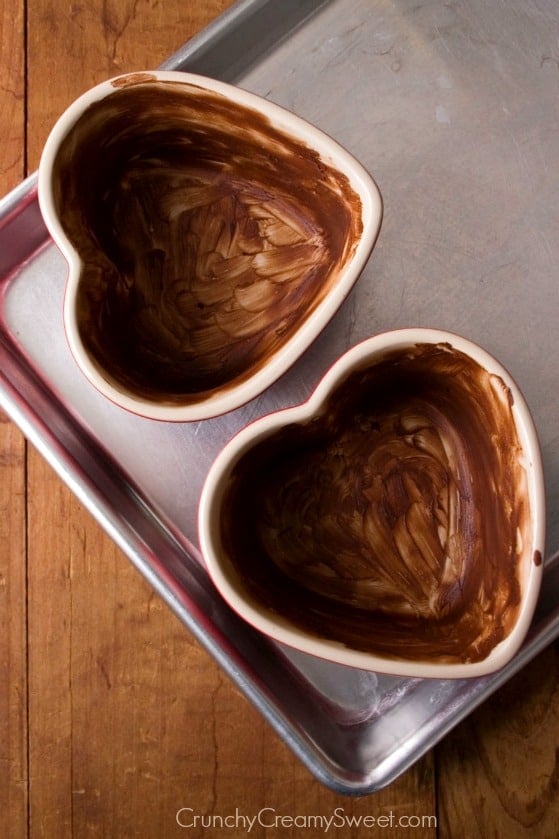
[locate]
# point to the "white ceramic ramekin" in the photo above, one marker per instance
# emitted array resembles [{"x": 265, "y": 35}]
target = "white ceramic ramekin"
[
  {"x": 282, "y": 123},
  {"x": 224, "y": 495}
]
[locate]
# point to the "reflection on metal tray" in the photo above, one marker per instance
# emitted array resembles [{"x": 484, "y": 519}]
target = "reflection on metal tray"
[{"x": 451, "y": 110}]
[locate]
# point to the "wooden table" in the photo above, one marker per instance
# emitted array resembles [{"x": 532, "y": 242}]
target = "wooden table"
[{"x": 111, "y": 716}]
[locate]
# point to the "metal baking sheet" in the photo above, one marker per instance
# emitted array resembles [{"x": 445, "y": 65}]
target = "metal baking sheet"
[{"x": 453, "y": 109}]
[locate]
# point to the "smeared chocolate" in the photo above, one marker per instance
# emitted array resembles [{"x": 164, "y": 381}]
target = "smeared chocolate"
[
  {"x": 538, "y": 558},
  {"x": 394, "y": 521},
  {"x": 207, "y": 236}
]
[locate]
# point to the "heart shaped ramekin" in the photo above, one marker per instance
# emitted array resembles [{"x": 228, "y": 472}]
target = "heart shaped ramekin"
[
  {"x": 395, "y": 521},
  {"x": 210, "y": 236}
]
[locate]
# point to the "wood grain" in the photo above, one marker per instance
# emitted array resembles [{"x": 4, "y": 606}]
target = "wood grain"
[
  {"x": 499, "y": 771},
  {"x": 13, "y": 641},
  {"x": 111, "y": 716},
  {"x": 13, "y": 615}
]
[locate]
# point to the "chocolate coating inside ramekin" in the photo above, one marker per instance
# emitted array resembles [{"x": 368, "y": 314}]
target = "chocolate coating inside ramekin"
[
  {"x": 207, "y": 236},
  {"x": 395, "y": 521}
]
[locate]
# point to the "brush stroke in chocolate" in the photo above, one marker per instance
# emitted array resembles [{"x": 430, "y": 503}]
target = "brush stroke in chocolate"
[
  {"x": 394, "y": 521},
  {"x": 207, "y": 236}
]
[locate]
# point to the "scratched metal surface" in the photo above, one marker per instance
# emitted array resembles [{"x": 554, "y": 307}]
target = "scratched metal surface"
[{"x": 453, "y": 108}]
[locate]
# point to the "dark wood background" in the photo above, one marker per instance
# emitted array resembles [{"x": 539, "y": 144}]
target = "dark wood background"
[{"x": 111, "y": 716}]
